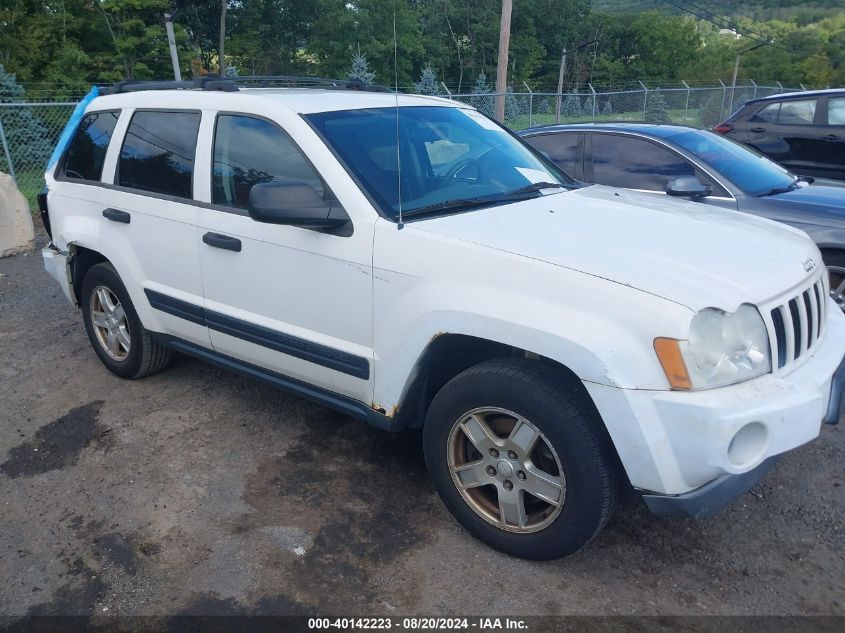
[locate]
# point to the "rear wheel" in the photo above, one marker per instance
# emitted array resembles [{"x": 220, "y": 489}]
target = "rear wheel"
[
  {"x": 518, "y": 455},
  {"x": 113, "y": 326}
]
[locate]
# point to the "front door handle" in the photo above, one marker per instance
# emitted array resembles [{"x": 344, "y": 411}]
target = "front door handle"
[
  {"x": 226, "y": 242},
  {"x": 757, "y": 129},
  {"x": 116, "y": 215},
  {"x": 830, "y": 137}
]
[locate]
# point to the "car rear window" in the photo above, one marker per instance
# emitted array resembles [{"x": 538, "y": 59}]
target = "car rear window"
[
  {"x": 800, "y": 112},
  {"x": 562, "y": 149},
  {"x": 87, "y": 152},
  {"x": 158, "y": 152}
]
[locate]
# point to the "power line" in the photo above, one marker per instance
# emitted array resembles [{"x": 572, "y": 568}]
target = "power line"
[{"x": 721, "y": 22}]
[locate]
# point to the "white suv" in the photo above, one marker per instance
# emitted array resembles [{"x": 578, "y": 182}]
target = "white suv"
[{"x": 409, "y": 262}]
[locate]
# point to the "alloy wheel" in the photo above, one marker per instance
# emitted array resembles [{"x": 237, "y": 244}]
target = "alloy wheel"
[
  {"x": 109, "y": 320},
  {"x": 506, "y": 470}
]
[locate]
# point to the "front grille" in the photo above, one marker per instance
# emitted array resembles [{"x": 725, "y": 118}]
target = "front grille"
[{"x": 798, "y": 323}]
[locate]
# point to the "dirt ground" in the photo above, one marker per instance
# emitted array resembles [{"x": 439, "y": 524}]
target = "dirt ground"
[{"x": 196, "y": 491}]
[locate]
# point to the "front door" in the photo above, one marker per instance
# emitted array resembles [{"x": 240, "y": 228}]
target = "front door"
[{"x": 292, "y": 300}]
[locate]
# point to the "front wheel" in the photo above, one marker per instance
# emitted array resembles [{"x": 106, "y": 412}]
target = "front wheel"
[
  {"x": 518, "y": 456},
  {"x": 835, "y": 262}
]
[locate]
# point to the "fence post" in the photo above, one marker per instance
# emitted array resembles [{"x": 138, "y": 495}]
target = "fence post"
[
  {"x": 780, "y": 85},
  {"x": 7, "y": 154},
  {"x": 724, "y": 94},
  {"x": 754, "y": 96},
  {"x": 686, "y": 105},
  {"x": 802, "y": 87},
  {"x": 594, "y": 99},
  {"x": 645, "y": 98},
  {"x": 446, "y": 88},
  {"x": 530, "y": 104}
]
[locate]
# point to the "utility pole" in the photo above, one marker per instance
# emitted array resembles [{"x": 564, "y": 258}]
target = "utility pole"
[
  {"x": 563, "y": 71},
  {"x": 171, "y": 42},
  {"x": 560, "y": 85},
  {"x": 502, "y": 65},
  {"x": 223, "y": 6},
  {"x": 736, "y": 70}
]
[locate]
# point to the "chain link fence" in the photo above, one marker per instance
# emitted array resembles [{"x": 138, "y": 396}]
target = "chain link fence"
[
  {"x": 692, "y": 106},
  {"x": 29, "y": 130},
  {"x": 28, "y": 134}
]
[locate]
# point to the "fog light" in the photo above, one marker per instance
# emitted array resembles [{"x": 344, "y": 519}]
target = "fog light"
[{"x": 748, "y": 444}]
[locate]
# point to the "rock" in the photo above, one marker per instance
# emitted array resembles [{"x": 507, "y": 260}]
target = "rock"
[{"x": 17, "y": 233}]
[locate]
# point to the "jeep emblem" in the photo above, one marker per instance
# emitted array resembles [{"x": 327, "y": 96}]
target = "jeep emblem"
[{"x": 808, "y": 264}]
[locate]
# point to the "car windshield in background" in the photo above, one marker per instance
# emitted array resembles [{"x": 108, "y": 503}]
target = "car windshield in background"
[
  {"x": 451, "y": 158},
  {"x": 755, "y": 174}
]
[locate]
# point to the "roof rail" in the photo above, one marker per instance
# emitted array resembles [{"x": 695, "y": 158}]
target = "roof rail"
[
  {"x": 209, "y": 82},
  {"x": 230, "y": 84},
  {"x": 291, "y": 81}
]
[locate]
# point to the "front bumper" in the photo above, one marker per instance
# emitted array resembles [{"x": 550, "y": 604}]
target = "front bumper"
[
  {"x": 710, "y": 498},
  {"x": 706, "y": 446}
]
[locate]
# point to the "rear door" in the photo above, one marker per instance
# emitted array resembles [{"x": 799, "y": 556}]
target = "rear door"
[
  {"x": 150, "y": 204},
  {"x": 831, "y": 147},
  {"x": 785, "y": 131}
]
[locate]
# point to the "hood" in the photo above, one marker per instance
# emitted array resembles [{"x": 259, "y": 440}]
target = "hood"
[
  {"x": 817, "y": 199},
  {"x": 693, "y": 254}
]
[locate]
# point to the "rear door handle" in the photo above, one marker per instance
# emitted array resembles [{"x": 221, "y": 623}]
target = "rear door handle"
[
  {"x": 830, "y": 137},
  {"x": 226, "y": 242},
  {"x": 117, "y": 216},
  {"x": 757, "y": 129}
]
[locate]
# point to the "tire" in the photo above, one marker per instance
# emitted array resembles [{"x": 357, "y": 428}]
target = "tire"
[
  {"x": 570, "y": 439},
  {"x": 132, "y": 352},
  {"x": 835, "y": 262}
]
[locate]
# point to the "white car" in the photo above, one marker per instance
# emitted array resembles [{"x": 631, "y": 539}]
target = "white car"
[{"x": 409, "y": 262}]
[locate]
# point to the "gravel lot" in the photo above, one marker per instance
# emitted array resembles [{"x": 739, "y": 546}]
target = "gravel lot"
[{"x": 197, "y": 491}]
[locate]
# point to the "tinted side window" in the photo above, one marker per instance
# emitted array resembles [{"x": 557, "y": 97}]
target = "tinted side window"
[
  {"x": 562, "y": 149},
  {"x": 158, "y": 152},
  {"x": 769, "y": 114},
  {"x": 797, "y": 112},
  {"x": 249, "y": 151},
  {"x": 87, "y": 151},
  {"x": 634, "y": 163},
  {"x": 836, "y": 111}
]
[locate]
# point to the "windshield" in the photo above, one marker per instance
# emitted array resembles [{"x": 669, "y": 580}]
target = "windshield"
[
  {"x": 753, "y": 173},
  {"x": 450, "y": 158}
]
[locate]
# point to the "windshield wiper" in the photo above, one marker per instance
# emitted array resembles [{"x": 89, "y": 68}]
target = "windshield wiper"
[
  {"x": 458, "y": 204},
  {"x": 537, "y": 186},
  {"x": 777, "y": 190}
]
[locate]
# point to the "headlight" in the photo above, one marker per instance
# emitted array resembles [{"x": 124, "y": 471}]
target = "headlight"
[{"x": 723, "y": 348}]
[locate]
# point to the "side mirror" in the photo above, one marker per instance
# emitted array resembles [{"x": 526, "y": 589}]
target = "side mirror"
[
  {"x": 688, "y": 187},
  {"x": 294, "y": 203}
]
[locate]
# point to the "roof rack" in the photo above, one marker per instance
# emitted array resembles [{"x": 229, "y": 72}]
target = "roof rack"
[
  {"x": 230, "y": 84},
  {"x": 290, "y": 81},
  {"x": 209, "y": 82}
]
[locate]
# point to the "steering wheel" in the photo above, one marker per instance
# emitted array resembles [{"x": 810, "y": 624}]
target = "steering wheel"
[{"x": 457, "y": 168}]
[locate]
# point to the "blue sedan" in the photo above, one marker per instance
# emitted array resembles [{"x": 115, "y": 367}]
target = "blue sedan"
[{"x": 702, "y": 166}]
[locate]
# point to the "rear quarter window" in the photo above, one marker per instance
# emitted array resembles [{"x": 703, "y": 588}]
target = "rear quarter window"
[
  {"x": 158, "y": 152},
  {"x": 87, "y": 151}
]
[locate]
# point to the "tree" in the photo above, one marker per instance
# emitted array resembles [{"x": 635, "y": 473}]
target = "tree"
[
  {"x": 571, "y": 106},
  {"x": 656, "y": 111},
  {"x": 479, "y": 101},
  {"x": 428, "y": 84},
  {"x": 27, "y": 138},
  {"x": 361, "y": 69}
]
